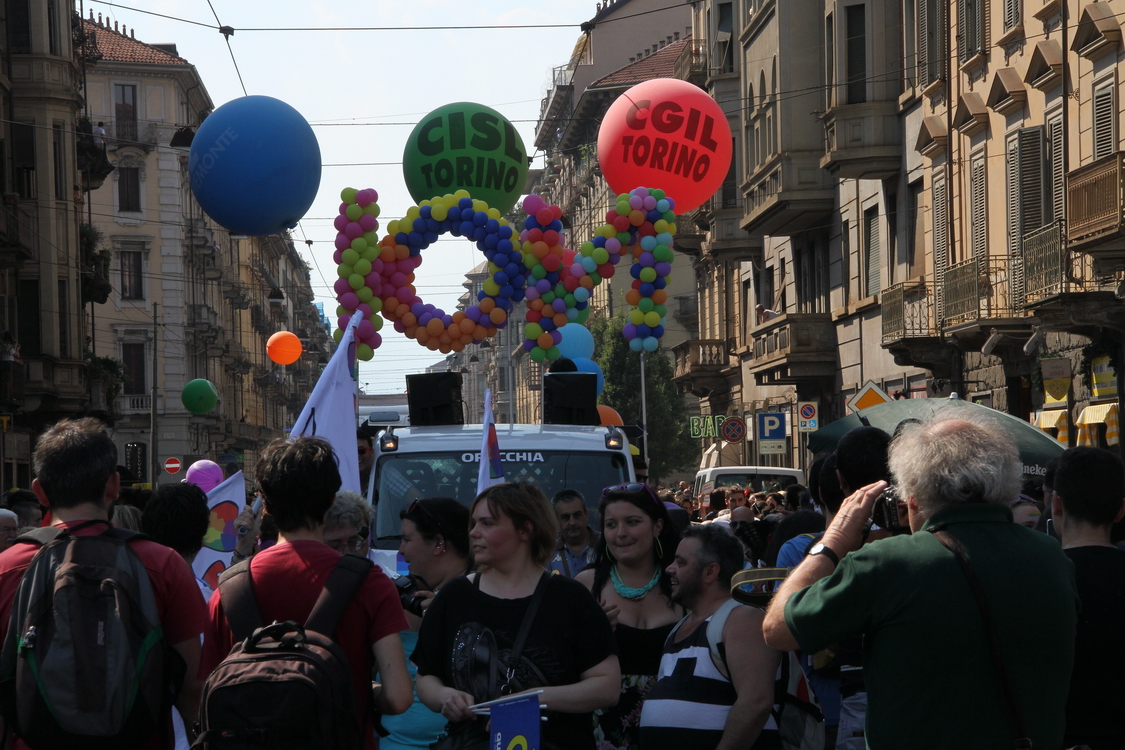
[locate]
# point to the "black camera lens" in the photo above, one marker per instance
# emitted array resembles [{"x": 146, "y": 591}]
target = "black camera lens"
[{"x": 406, "y": 588}]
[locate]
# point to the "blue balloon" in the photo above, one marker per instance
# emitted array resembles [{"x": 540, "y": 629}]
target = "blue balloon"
[
  {"x": 255, "y": 166},
  {"x": 650, "y": 343},
  {"x": 636, "y": 344},
  {"x": 588, "y": 365},
  {"x": 577, "y": 342}
]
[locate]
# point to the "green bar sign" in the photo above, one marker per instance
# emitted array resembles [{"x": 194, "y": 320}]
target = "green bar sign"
[{"x": 706, "y": 426}]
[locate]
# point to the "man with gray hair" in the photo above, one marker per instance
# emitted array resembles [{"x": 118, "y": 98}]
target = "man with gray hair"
[{"x": 932, "y": 680}]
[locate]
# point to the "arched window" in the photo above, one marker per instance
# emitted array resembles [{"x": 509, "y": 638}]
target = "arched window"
[{"x": 763, "y": 94}]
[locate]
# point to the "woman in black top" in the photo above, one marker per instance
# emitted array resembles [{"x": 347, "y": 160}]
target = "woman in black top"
[
  {"x": 468, "y": 632},
  {"x": 638, "y": 542}
]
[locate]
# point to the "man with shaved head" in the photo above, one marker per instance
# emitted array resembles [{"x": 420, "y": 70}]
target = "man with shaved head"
[{"x": 933, "y": 677}]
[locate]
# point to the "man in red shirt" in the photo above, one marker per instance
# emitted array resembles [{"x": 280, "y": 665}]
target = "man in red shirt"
[
  {"x": 299, "y": 480},
  {"x": 76, "y": 468}
]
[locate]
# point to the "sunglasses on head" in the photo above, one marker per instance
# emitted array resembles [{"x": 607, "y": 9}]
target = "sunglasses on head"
[
  {"x": 633, "y": 488},
  {"x": 417, "y": 506}
]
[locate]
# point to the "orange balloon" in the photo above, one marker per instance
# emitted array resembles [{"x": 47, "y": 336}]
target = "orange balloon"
[
  {"x": 411, "y": 332},
  {"x": 659, "y": 297},
  {"x": 284, "y": 348},
  {"x": 402, "y": 252},
  {"x": 487, "y": 305},
  {"x": 560, "y": 320},
  {"x": 410, "y": 319},
  {"x": 480, "y": 333},
  {"x": 387, "y": 254},
  {"x": 458, "y": 316},
  {"x": 545, "y": 340},
  {"x": 422, "y": 334},
  {"x": 467, "y": 325},
  {"x": 609, "y": 415},
  {"x": 499, "y": 316},
  {"x": 466, "y": 338},
  {"x": 633, "y": 297}
]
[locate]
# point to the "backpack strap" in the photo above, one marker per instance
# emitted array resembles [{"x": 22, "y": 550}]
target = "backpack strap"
[
  {"x": 42, "y": 536},
  {"x": 236, "y": 592},
  {"x": 350, "y": 573},
  {"x": 715, "y": 631}
]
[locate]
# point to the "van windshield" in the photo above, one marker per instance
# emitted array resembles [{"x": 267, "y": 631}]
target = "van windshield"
[
  {"x": 760, "y": 482},
  {"x": 400, "y": 478}
]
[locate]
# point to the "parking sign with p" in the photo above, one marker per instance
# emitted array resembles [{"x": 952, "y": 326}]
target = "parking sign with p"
[{"x": 771, "y": 433}]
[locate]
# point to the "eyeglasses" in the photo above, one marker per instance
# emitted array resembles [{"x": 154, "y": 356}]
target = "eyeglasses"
[
  {"x": 351, "y": 544},
  {"x": 417, "y": 506},
  {"x": 9, "y": 530},
  {"x": 364, "y": 451}
]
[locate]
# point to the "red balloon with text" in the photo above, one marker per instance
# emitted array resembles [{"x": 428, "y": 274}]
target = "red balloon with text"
[{"x": 666, "y": 134}]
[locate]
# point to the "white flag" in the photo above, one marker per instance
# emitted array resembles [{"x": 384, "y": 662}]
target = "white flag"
[
  {"x": 491, "y": 470},
  {"x": 330, "y": 412},
  {"x": 226, "y": 501}
]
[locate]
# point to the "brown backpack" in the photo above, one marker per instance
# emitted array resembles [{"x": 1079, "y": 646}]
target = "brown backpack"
[{"x": 284, "y": 686}]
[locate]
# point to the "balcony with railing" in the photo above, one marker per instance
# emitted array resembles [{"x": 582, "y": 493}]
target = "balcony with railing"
[
  {"x": 555, "y": 105},
  {"x": 863, "y": 141},
  {"x": 129, "y": 131},
  {"x": 17, "y": 235},
  {"x": 134, "y": 404},
  {"x": 981, "y": 289},
  {"x": 235, "y": 289},
  {"x": 1095, "y": 208},
  {"x": 907, "y": 312},
  {"x": 788, "y": 194},
  {"x": 794, "y": 348},
  {"x": 699, "y": 364},
  {"x": 691, "y": 65},
  {"x": 1070, "y": 291},
  {"x": 236, "y": 358}
]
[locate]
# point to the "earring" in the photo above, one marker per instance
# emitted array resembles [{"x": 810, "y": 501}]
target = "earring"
[{"x": 659, "y": 549}]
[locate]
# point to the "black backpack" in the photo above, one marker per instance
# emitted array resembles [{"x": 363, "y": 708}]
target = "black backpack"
[
  {"x": 84, "y": 663},
  {"x": 285, "y": 686}
]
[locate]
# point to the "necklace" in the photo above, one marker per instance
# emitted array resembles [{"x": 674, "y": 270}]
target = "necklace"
[{"x": 628, "y": 592}]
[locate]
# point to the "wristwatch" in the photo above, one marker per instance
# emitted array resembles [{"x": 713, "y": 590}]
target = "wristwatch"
[{"x": 820, "y": 549}]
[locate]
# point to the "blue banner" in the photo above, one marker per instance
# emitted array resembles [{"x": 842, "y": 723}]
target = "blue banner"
[{"x": 515, "y": 724}]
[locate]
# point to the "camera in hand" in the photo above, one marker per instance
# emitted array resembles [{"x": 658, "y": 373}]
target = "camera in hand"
[
  {"x": 890, "y": 512},
  {"x": 407, "y": 585}
]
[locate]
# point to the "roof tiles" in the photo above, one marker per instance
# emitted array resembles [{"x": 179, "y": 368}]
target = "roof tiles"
[{"x": 117, "y": 47}]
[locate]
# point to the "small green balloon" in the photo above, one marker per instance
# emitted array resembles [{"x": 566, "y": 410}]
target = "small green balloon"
[
  {"x": 199, "y": 396},
  {"x": 553, "y": 353},
  {"x": 356, "y": 281},
  {"x": 538, "y": 355},
  {"x": 364, "y": 352},
  {"x": 532, "y": 331},
  {"x": 353, "y": 212},
  {"x": 337, "y": 335},
  {"x": 539, "y": 272},
  {"x": 349, "y": 257},
  {"x": 646, "y": 304},
  {"x": 348, "y": 195},
  {"x": 376, "y": 306},
  {"x": 344, "y": 270},
  {"x": 364, "y": 294},
  {"x": 582, "y": 315},
  {"x": 466, "y": 146},
  {"x": 648, "y": 274},
  {"x": 362, "y": 267},
  {"x": 661, "y": 310},
  {"x": 359, "y": 245},
  {"x": 372, "y": 209}
]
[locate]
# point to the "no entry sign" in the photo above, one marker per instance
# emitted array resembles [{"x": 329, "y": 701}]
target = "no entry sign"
[{"x": 172, "y": 465}]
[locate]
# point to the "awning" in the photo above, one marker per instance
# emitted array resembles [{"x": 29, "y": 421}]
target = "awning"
[
  {"x": 1093, "y": 415},
  {"x": 1055, "y": 419}
]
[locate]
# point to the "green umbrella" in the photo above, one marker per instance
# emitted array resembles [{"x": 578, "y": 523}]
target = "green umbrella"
[{"x": 1035, "y": 446}]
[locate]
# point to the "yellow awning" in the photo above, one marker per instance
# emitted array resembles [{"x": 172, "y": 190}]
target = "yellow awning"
[
  {"x": 1049, "y": 418},
  {"x": 1096, "y": 413}
]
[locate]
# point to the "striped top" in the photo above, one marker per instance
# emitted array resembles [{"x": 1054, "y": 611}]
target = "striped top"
[{"x": 689, "y": 704}]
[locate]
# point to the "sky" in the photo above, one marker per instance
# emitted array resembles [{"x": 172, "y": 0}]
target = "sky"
[{"x": 363, "y": 92}]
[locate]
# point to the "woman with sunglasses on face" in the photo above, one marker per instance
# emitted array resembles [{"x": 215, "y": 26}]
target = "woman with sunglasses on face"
[
  {"x": 435, "y": 544},
  {"x": 627, "y": 577},
  {"x": 469, "y": 631}
]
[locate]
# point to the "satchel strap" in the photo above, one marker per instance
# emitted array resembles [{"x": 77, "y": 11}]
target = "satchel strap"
[
  {"x": 236, "y": 592},
  {"x": 525, "y": 630},
  {"x": 1012, "y": 708},
  {"x": 350, "y": 573}
]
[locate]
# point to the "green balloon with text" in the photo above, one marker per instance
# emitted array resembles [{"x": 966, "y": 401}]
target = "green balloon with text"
[{"x": 466, "y": 146}]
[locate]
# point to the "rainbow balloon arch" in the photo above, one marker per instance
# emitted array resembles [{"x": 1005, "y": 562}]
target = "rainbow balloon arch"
[{"x": 664, "y": 133}]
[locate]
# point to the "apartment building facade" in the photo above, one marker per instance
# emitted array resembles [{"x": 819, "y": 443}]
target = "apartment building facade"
[{"x": 186, "y": 299}]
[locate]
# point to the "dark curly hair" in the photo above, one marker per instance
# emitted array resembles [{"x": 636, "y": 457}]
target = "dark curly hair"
[{"x": 669, "y": 538}]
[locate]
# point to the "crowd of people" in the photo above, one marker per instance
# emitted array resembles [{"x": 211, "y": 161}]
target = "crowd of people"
[{"x": 928, "y": 598}]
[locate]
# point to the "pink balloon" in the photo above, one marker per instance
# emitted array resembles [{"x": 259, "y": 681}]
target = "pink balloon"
[
  {"x": 349, "y": 300},
  {"x": 377, "y": 265},
  {"x": 365, "y": 309},
  {"x": 389, "y": 268},
  {"x": 370, "y": 224},
  {"x": 532, "y": 204},
  {"x": 363, "y": 197},
  {"x": 404, "y": 294},
  {"x": 337, "y": 256},
  {"x": 342, "y": 286},
  {"x": 343, "y": 208},
  {"x": 343, "y": 321},
  {"x": 400, "y": 326},
  {"x": 376, "y": 339},
  {"x": 365, "y": 328},
  {"x": 373, "y": 280},
  {"x": 340, "y": 222},
  {"x": 353, "y": 230},
  {"x": 577, "y": 271},
  {"x": 398, "y": 278}
]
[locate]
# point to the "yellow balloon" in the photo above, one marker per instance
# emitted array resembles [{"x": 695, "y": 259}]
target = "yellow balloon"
[
  {"x": 636, "y": 317},
  {"x": 651, "y": 319}
]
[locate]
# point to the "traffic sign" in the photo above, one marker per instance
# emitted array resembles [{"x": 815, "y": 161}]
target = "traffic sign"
[
  {"x": 867, "y": 396},
  {"x": 771, "y": 433},
  {"x": 172, "y": 465},
  {"x": 733, "y": 429},
  {"x": 808, "y": 417}
]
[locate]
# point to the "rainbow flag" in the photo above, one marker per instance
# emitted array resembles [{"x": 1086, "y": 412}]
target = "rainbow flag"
[{"x": 491, "y": 469}]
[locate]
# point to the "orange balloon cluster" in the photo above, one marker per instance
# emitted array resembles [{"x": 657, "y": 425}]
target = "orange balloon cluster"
[{"x": 633, "y": 296}]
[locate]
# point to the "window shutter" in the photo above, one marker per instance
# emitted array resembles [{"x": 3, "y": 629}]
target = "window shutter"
[
  {"x": 963, "y": 34},
  {"x": 1015, "y": 239},
  {"x": 872, "y": 252},
  {"x": 1011, "y": 14},
  {"x": 857, "y": 53},
  {"x": 1057, "y": 201},
  {"x": 941, "y": 240},
  {"x": 1033, "y": 179},
  {"x": 979, "y": 216},
  {"x": 924, "y": 43},
  {"x": 1104, "y": 122}
]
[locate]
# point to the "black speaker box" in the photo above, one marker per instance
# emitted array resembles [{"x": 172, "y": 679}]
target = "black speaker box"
[
  {"x": 434, "y": 398},
  {"x": 570, "y": 398}
]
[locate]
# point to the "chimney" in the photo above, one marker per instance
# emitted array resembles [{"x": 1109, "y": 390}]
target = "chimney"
[
  {"x": 99, "y": 19},
  {"x": 632, "y": 60},
  {"x": 92, "y": 16},
  {"x": 115, "y": 26},
  {"x": 133, "y": 33}
]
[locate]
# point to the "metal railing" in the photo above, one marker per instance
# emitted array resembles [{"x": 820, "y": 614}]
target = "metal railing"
[
  {"x": 906, "y": 311},
  {"x": 692, "y": 61},
  {"x": 1045, "y": 261},
  {"x": 18, "y": 228},
  {"x": 1094, "y": 199},
  {"x": 981, "y": 288}
]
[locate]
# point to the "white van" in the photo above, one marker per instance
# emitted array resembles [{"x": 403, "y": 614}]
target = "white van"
[
  {"x": 443, "y": 461},
  {"x": 756, "y": 478}
]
